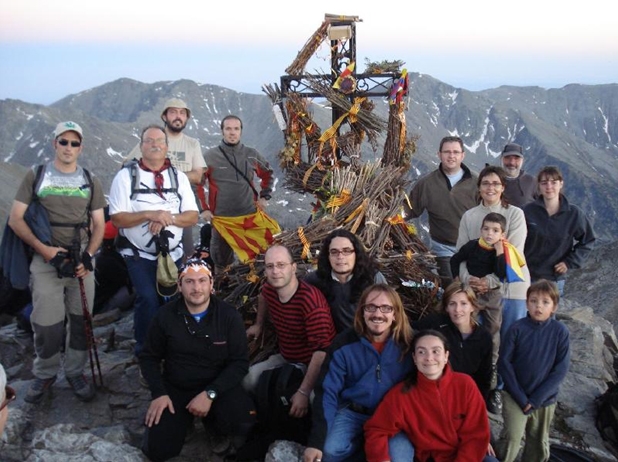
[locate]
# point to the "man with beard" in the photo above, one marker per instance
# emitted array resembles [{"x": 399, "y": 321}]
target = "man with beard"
[
  {"x": 521, "y": 188},
  {"x": 194, "y": 360},
  {"x": 363, "y": 363},
  {"x": 302, "y": 321},
  {"x": 184, "y": 152},
  {"x": 142, "y": 216},
  {"x": 231, "y": 193}
]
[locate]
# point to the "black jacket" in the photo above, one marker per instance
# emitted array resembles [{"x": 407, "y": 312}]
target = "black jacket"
[
  {"x": 471, "y": 356},
  {"x": 213, "y": 357},
  {"x": 566, "y": 236},
  {"x": 481, "y": 261}
]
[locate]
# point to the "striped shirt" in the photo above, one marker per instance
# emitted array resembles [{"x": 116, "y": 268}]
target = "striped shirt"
[{"x": 303, "y": 324}]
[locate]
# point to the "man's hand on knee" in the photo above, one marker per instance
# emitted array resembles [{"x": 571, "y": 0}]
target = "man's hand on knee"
[{"x": 156, "y": 408}]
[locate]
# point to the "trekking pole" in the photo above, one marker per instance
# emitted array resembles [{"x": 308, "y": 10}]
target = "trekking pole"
[{"x": 89, "y": 334}]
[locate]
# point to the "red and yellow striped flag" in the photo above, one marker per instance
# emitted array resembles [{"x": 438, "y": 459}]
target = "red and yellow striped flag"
[{"x": 247, "y": 235}]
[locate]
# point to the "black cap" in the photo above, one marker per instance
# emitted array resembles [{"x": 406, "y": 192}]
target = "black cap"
[{"x": 513, "y": 149}]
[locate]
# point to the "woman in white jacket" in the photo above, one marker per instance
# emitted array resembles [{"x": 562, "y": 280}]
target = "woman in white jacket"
[{"x": 491, "y": 183}]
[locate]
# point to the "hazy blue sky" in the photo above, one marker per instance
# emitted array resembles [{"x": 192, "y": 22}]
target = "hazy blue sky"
[{"x": 50, "y": 49}]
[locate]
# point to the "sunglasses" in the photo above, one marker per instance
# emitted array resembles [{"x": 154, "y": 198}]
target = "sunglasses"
[
  {"x": 9, "y": 396},
  {"x": 74, "y": 144}
]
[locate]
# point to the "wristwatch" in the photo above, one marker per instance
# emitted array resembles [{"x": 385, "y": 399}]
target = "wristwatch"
[{"x": 212, "y": 394}]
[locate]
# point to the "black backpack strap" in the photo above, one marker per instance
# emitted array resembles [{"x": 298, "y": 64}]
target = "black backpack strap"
[
  {"x": 38, "y": 178},
  {"x": 137, "y": 188}
]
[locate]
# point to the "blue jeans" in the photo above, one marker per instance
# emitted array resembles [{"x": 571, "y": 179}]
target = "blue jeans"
[
  {"x": 345, "y": 440},
  {"x": 561, "y": 283},
  {"x": 143, "y": 274},
  {"x": 512, "y": 310}
]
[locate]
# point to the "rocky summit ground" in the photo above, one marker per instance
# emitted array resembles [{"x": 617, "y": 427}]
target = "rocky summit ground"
[{"x": 62, "y": 428}]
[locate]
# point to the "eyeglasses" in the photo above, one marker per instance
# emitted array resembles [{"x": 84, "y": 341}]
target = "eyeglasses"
[
  {"x": 279, "y": 265},
  {"x": 455, "y": 153},
  {"x": 74, "y": 144},
  {"x": 373, "y": 308},
  {"x": 336, "y": 252},
  {"x": 9, "y": 395},
  {"x": 549, "y": 182},
  {"x": 493, "y": 184},
  {"x": 195, "y": 333}
]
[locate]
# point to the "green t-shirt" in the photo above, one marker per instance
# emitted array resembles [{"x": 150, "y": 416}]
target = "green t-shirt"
[{"x": 66, "y": 197}]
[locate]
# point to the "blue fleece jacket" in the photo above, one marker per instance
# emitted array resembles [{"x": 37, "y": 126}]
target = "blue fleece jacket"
[
  {"x": 354, "y": 372},
  {"x": 534, "y": 359}
]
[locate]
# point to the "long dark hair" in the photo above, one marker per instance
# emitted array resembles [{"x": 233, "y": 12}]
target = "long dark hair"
[
  {"x": 412, "y": 378},
  {"x": 364, "y": 271}
]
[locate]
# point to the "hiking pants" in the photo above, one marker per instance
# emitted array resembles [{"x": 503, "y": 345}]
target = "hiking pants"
[
  {"x": 220, "y": 251},
  {"x": 535, "y": 425},
  {"x": 55, "y": 300},
  {"x": 490, "y": 306}
]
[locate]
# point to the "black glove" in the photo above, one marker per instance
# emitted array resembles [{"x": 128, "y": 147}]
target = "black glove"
[
  {"x": 87, "y": 261},
  {"x": 64, "y": 265},
  {"x": 59, "y": 259}
]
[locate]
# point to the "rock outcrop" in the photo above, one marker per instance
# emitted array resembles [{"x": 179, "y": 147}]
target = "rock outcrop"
[{"x": 62, "y": 428}]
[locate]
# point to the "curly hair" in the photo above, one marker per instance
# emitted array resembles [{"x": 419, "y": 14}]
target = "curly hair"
[{"x": 364, "y": 271}]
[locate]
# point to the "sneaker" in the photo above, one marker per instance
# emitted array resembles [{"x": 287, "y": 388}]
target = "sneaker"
[
  {"x": 494, "y": 402},
  {"x": 81, "y": 387},
  {"x": 38, "y": 389}
]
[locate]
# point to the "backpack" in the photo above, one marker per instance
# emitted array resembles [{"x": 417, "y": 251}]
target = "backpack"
[
  {"x": 138, "y": 188},
  {"x": 607, "y": 414},
  {"x": 274, "y": 400},
  {"x": 274, "y": 394}
]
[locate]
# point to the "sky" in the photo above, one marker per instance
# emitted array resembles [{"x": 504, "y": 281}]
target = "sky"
[{"x": 51, "y": 49}]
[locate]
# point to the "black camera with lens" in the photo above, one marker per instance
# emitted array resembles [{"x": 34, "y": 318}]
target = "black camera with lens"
[{"x": 66, "y": 262}]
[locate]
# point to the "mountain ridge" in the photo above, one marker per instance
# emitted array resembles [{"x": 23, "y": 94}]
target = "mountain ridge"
[{"x": 574, "y": 127}]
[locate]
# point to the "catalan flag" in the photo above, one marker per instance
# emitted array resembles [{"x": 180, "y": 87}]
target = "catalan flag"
[
  {"x": 514, "y": 261},
  {"x": 247, "y": 235}
]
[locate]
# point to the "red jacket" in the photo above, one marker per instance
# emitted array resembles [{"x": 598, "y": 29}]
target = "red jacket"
[{"x": 445, "y": 419}]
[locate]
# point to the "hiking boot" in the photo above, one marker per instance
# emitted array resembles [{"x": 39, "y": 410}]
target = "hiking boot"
[
  {"x": 220, "y": 444},
  {"x": 38, "y": 389},
  {"x": 81, "y": 387},
  {"x": 494, "y": 402}
]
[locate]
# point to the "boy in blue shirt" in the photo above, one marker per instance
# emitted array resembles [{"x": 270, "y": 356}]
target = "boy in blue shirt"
[{"x": 534, "y": 360}]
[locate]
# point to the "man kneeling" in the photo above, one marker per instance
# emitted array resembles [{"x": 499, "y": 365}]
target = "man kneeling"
[{"x": 202, "y": 344}]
